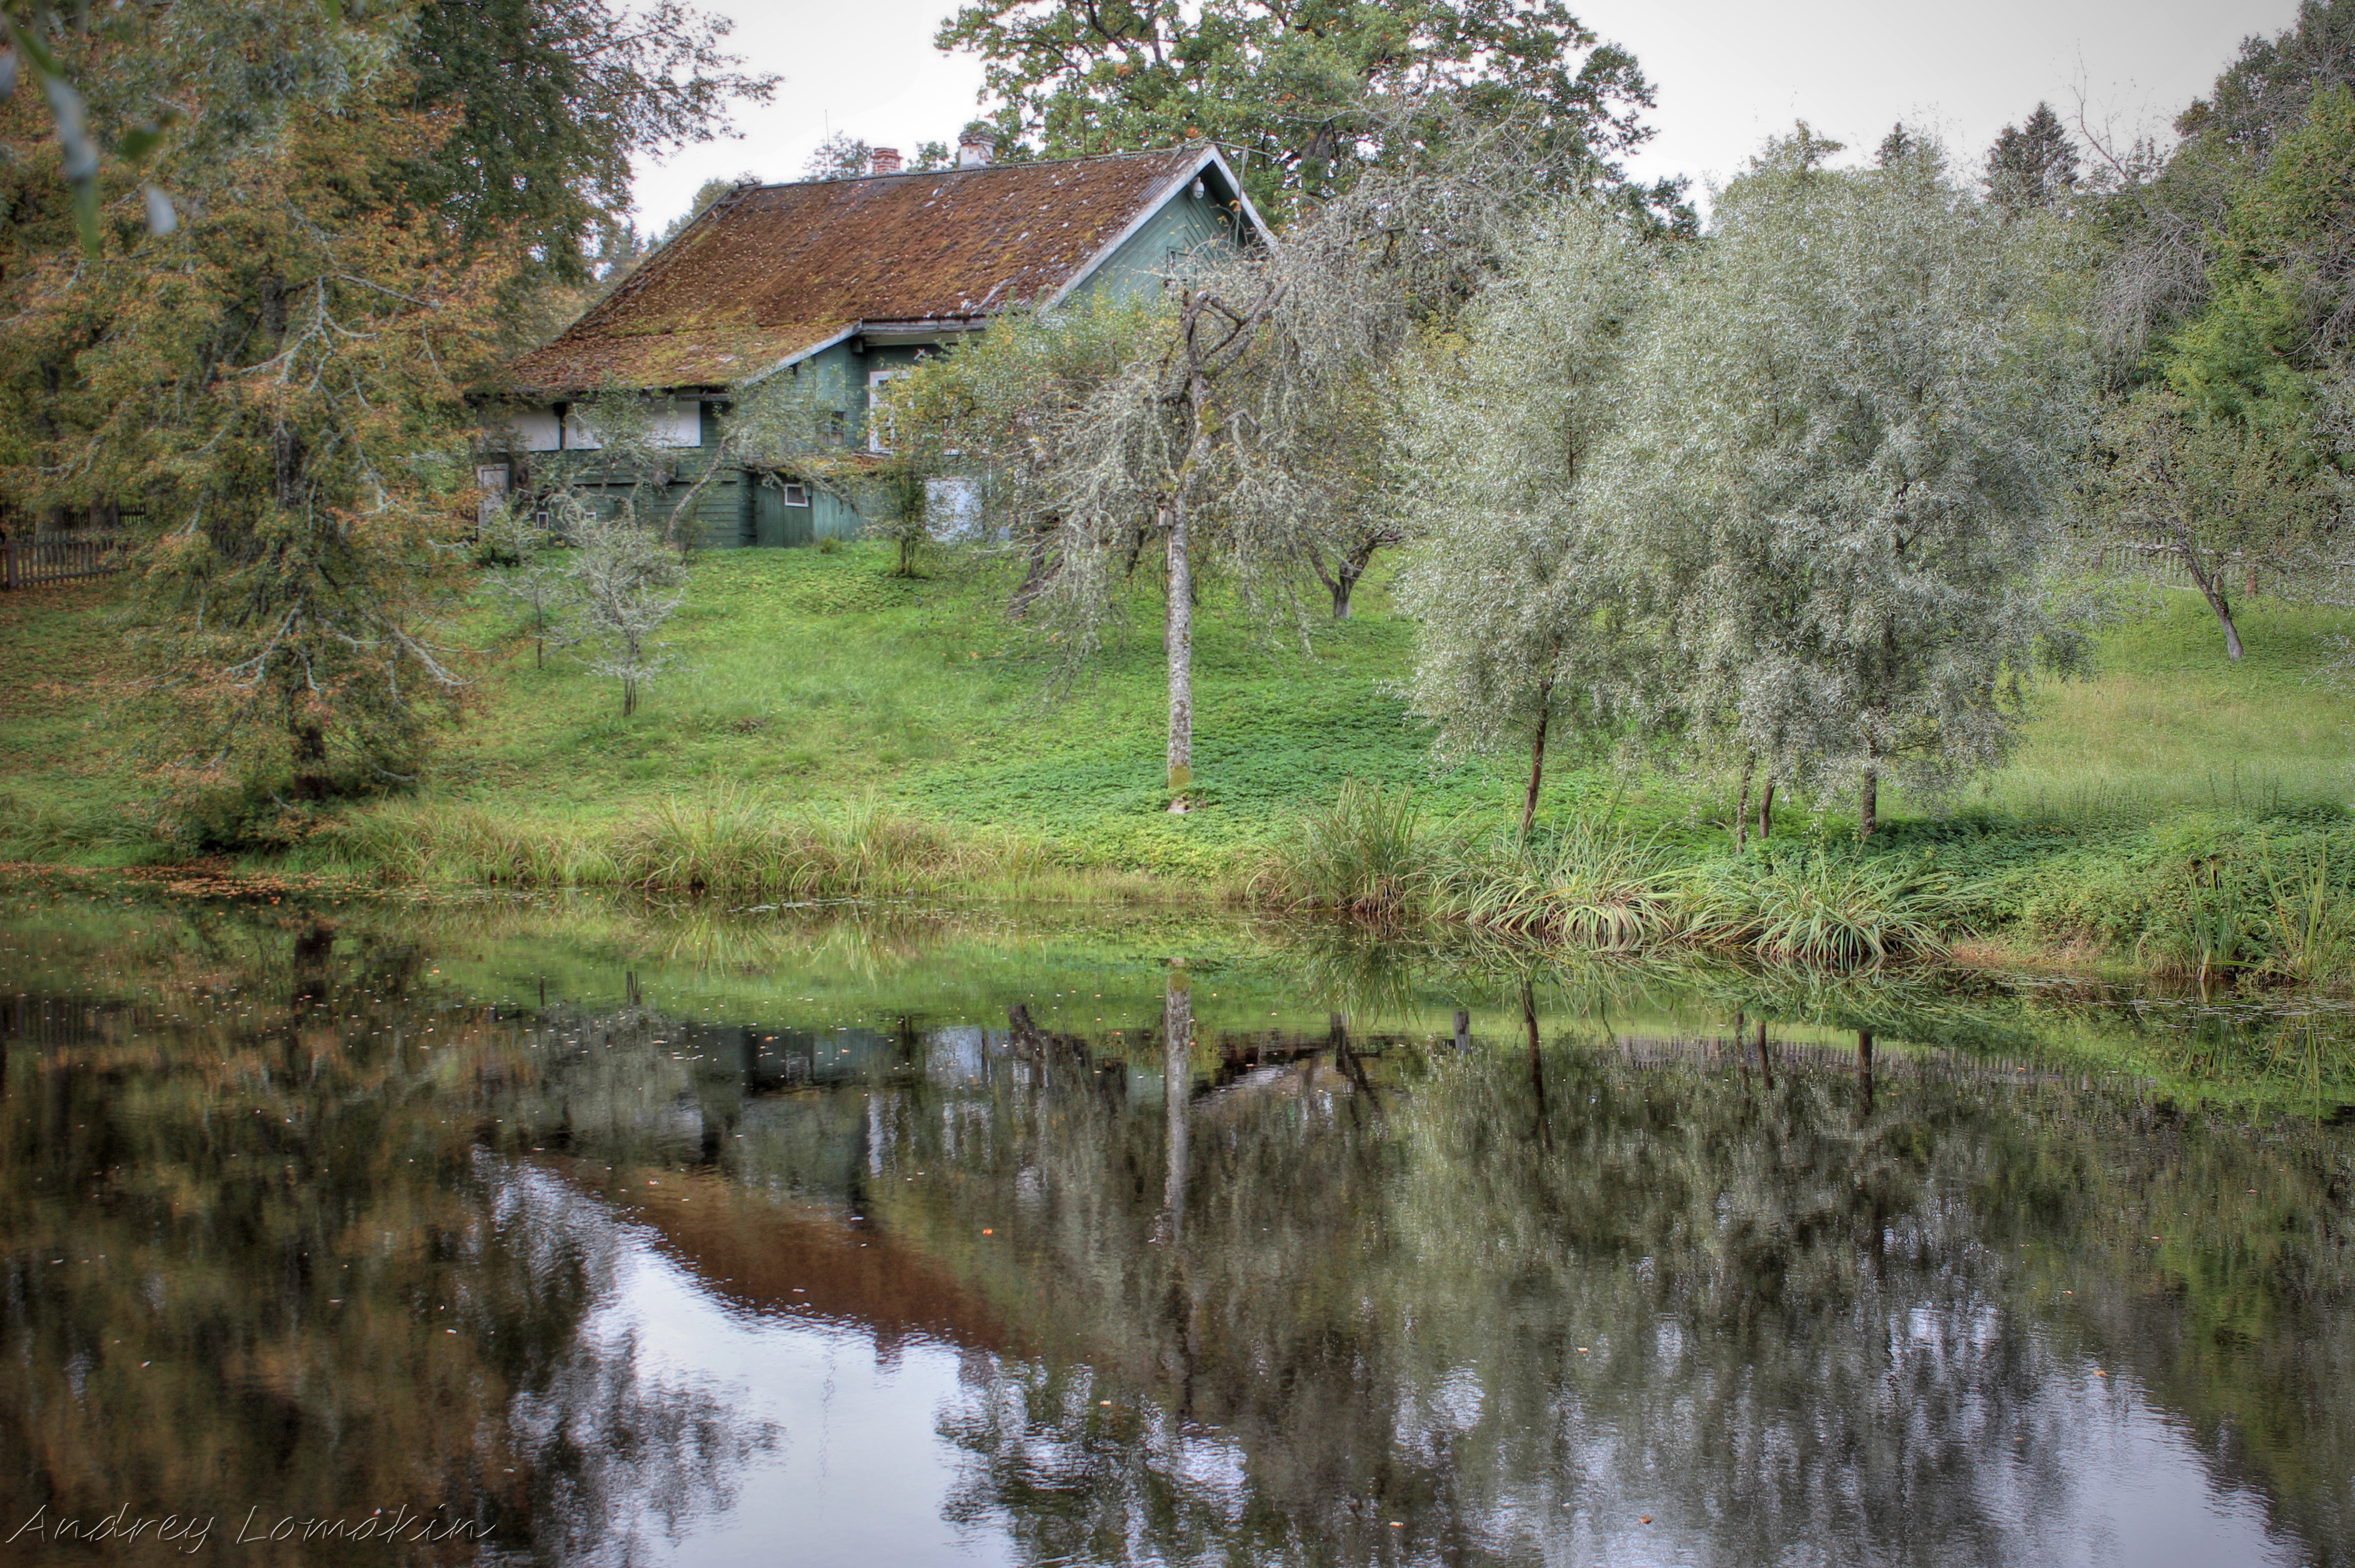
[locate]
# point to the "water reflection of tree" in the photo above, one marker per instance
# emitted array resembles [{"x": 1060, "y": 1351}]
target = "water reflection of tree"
[
  {"x": 1784, "y": 1295},
  {"x": 1799, "y": 1314},
  {"x": 254, "y": 1256}
]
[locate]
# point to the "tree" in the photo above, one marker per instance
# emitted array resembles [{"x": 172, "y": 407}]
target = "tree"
[
  {"x": 841, "y": 157},
  {"x": 1297, "y": 91},
  {"x": 626, "y": 584},
  {"x": 2281, "y": 307},
  {"x": 2215, "y": 489},
  {"x": 277, "y": 388},
  {"x": 2162, "y": 211},
  {"x": 1842, "y": 469},
  {"x": 1517, "y": 593},
  {"x": 554, "y": 99},
  {"x": 1242, "y": 428},
  {"x": 271, "y": 390},
  {"x": 2237, "y": 456},
  {"x": 2032, "y": 165},
  {"x": 999, "y": 411},
  {"x": 531, "y": 576}
]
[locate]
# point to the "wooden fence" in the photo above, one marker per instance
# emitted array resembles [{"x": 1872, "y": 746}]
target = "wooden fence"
[
  {"x": 2238, "y": 574},
  {"x": 28, "y": 563}
]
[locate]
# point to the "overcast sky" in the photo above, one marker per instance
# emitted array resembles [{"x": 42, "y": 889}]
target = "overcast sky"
[{"x": 1728, "y": 72}]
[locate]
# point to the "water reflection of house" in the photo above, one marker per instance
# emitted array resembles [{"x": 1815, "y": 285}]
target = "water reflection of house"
[{"x": 764, "y": 1253}]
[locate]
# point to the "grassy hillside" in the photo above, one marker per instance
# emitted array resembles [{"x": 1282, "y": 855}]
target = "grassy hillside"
[
  {"x": 820, "y": 676},
  {"x": 805, "y": 680}
]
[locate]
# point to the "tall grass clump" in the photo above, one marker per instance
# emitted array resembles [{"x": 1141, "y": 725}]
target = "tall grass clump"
[
  {"x": 1590, "y": 885},
  {"x": 738, "y": 840},
  {"x": 1369, "y": 854},
  {"x": 41, "y": 829},
  {"x": 2311, "y": 922},
  {"x": 1821, "y": 909},
  {"x": 469, "y": 844}
]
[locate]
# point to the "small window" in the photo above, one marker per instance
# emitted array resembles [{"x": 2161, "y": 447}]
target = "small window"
[
  {"x": 796, "y": 494},
  {"x": 879, "y": 414}
]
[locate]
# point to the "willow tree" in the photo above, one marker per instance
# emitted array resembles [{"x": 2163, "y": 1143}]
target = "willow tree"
[
  {"x": 1519, "y": 597},
  {"x": 1843, "y": 467},
  {"x": 1240, "y": 428}
]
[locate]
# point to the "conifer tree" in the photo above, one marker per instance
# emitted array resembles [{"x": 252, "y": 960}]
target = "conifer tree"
[{"x": 2032, "y": 165}]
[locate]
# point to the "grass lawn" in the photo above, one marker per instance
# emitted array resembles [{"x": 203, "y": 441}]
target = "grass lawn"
[
  {"x": 2167, "y": 723},
  {"x": 820, "y": 676}
]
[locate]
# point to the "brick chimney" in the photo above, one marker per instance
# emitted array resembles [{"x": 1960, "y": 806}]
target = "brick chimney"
[
  {"x": 883, "y": 161},
  {"x": 975, "y": 147}
]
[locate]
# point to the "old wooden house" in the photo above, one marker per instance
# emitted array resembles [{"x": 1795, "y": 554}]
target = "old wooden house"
[{"x": 842, "y": 284}]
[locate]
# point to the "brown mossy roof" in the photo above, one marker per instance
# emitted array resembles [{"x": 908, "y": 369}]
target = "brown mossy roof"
[{"x": 771, "y": 271}]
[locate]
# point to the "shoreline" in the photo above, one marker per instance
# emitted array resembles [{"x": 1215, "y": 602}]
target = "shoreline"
[{"x": 1966, "y": 953}]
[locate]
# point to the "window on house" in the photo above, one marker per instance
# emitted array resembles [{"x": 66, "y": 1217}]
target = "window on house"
[
  {"x": 878, "y": 424},
  {"x": 838, "y": 426},
  {"x": 796, "y": 494}
]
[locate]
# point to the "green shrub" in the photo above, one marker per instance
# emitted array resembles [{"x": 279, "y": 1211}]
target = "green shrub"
[
  {"x": 1591, "y": 885},
  {"x": 1368, "y": 854},
  {"x": 1818, "y": 909}
]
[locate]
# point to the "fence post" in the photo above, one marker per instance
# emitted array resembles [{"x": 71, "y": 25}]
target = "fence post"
[{"x": 8, "y": 548}]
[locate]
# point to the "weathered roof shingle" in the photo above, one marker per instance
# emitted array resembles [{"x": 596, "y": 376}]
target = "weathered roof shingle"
[{"x": 772, "y": 271}]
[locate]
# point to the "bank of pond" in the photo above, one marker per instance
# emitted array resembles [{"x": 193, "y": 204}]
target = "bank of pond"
[{"x": 596, "y": 1232}]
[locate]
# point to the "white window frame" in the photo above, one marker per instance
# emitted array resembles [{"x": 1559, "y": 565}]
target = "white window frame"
[
  {"x": 876, "y": 381},
  {"x": 796, "y": 494}
]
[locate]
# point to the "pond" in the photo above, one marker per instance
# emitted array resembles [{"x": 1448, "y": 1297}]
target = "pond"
[{"x": 510, "y": 1233}]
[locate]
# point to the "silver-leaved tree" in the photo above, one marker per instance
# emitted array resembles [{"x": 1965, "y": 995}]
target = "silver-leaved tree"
[
  {"x": 1843, "y": 469},
  {"x": 1238, "y": 428},
  {"x": 1519, "y": 590}
]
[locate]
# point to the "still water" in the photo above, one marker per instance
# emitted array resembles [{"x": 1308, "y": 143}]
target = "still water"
[{"x": 583, "y": 1235}]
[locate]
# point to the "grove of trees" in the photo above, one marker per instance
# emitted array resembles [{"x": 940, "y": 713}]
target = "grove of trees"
[{"x": 1792, "y": 500}]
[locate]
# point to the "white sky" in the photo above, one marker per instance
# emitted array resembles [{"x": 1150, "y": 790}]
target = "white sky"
[{"x": 1728, "y": 72}]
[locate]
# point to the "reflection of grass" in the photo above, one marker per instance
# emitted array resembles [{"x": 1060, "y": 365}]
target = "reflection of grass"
[{"x": 1093, "y": 971}]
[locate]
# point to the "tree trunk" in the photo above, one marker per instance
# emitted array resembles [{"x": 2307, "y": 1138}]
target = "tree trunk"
[
  {"x": 1537, "y": 760},
  {"x": 1177, "y": 1086},
  {"x": 1741, "y": 810},
  {"x": 1179, "y": 643},
  {"x": 1868, "y": 806},
  {"x": 1766, "y": 812},
  {"x": 1537, "y": 1063},
  {"x": 2209, "y": 591},
  {"x": 1351, "y": 567},
  {"x": 1034, "y": 571},
  {"x": 1765, "y": 1063},
  {"x": 310, "y": 761}
]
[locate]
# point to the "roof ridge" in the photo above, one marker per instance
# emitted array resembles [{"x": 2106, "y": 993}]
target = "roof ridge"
[{"x": 984, "y": 168}]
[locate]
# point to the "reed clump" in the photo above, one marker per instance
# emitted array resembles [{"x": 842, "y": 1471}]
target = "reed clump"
[
  {"x": 1818, "y": 909},
  {"x": 1591, "y": 885},
  {"x": 1370, "y": 855},
  {"x": 470, "y": 844},
  {"x": 737, "y": 841},
  {"x": 728, "y": 839}
]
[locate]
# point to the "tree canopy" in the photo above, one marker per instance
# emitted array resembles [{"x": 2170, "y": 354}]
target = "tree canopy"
[
  {"x": 1847, "y": 462},
  {"x": 1295, "y": 91}
]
